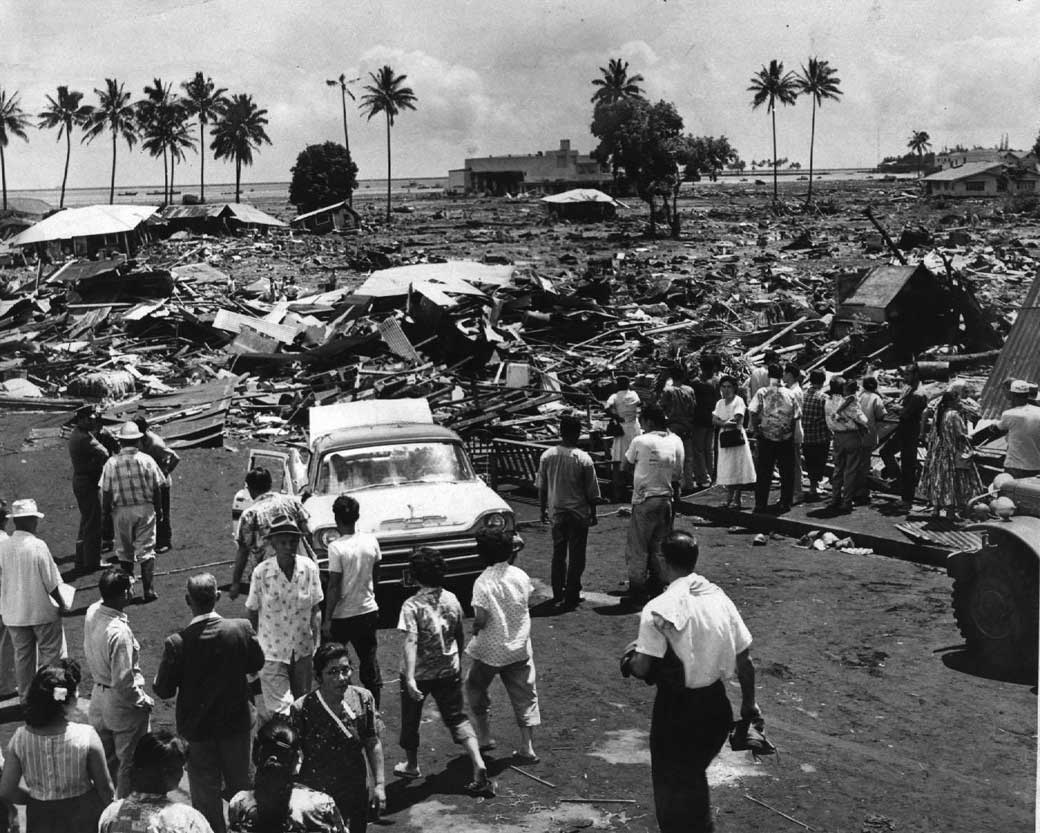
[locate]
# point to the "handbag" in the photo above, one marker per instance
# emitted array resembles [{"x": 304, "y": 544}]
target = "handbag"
[
  {"x": 731, "y": 438},
  {"x": 614, "y": 429}
]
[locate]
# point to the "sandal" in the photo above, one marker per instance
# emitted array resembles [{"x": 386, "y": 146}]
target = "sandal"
[
  {"x": 528, "y": 760},
  {"x": 401, "y": 770},
  {"x": 485, "y": 788}
]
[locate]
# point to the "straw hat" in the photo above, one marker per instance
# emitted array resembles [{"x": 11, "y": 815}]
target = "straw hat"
[
  {"x": 25, "y": 508},
  {"x": 129, "y": 431}
]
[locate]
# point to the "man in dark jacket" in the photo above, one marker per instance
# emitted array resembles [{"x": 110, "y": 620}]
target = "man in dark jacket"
[
  {"x": 88, "y": 456},
  {"x": 206, "y": 666}
]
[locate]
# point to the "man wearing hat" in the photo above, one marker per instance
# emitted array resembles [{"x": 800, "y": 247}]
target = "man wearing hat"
[
  {"x": 155, "y": 447},
  {"x": 130, "y": 493},
  {"x": 29, "y": 582},
  {"x": 569, "y": 489},
  {"x": 88, "y": 456},
  {"x": 1021, "y": 423},
  {"x": 284, "y": 605}
]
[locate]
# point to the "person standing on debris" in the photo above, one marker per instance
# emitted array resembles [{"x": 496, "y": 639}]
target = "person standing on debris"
[
  {"x": 949, "y": 478},
  {"x": 874, "y": 410},
  {"x": 130, "y": 494},
  {"x": 816, "y": 441},
  {"x": 120, "y": 710},
  {"x": 736, "y": 465},
  {"x": 706, "y": 392},
  {"x": 760, "y": 375},
  {"x": 255, "y": 524},
  {"x": 657, "y": 456},
  {"x": 351, "y": 611},
  {"x": 30, "y": 605},
  {"x": 679, "y": 402},
  {"x": 284, "y": 607},
  {"x": 206, "y": 667},
  {"x": 848, "y": 424},
  {"x": 776, "y": 420},
  {"x": 622, "y": 406},
  {"x": 88, "y": 457},
  {"x": 792, "y": 379},
  {"x": 1021, "y": 423},
  {"x": 167, "y": 459},
  {"x": 569, "y": 489},
  {"x": 907, "y": 438},
  {"x": 691, "y": 639}
]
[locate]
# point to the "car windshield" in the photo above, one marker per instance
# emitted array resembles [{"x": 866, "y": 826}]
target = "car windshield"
[{"x": 392, "y": 465}]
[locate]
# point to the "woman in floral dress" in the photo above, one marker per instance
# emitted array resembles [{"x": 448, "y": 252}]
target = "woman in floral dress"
[{"x": 949, "y": 478}]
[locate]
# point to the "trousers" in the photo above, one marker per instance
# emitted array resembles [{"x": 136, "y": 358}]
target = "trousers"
[
  {"x": 702, "y": 452},
  {"x": 361, "y": 632},
  {"x": 520, "y": 681},
  {"x": 88, "y": 538},
  {"x": 163, "y": 527},
  {"x": 35, "y": 646},
  {"x": 217, "y": 769},
  {"x": 120, "y": 725},
  {"x": 135, "y": 532},
  {"x": 447, "y": 694},
  {"x": 570, "y": 537},
  {"x": 283, "y": 682},
  {"x": 772, "y": 454},
  {"x": 687, "y": 730},
  {"x": 651, "y": 521},
  {"x": 846, "y": 459}
]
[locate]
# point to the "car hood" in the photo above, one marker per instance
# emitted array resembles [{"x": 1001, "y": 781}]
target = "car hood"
[{"x": 423, "y": 506}]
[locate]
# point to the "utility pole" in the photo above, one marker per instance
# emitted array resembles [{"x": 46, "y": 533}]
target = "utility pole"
[{"x": 342, "y": 83}]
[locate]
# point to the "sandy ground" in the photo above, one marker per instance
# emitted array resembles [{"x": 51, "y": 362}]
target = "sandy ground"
[{"x": 881, "y": 722}]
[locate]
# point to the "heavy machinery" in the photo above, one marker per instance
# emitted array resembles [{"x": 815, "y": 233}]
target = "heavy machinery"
[{"x": 996, "y": 591}]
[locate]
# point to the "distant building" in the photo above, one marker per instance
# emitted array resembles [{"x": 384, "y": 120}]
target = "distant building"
[
  {"x": 982, "y": 179},
  {"x": 336, "y": 217},
  {"x": 547, "y": 172},
  {"x": 957, "y": 158}
]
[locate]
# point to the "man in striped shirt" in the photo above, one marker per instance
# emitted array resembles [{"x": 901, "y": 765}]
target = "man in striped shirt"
[{"x": 130, "y": 494}]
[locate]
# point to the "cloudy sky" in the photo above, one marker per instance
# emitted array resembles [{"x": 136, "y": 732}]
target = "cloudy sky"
[{"x": 513, "y": 76}]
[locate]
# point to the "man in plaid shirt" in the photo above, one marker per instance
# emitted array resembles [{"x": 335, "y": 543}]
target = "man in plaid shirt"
[
  {"x": 817, "y": 436},
  {"x": 130, "y": 495}
]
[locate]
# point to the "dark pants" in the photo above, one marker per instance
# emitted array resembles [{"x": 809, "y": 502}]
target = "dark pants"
[
  {"x": 689, "y": 727},
  {"x": 447, "y": 694},
  {"x": 815, "y": 458},
  {"x": 163, "y": 530},
  {"x": 779, "y": 454},
  {"x": 570, "y": 536},
  {"x": 360, "y": 631},
  {"x": 217, "y": 769},
  {"x": 88, "y": 538},
  {"x": 908, "y": 468}
]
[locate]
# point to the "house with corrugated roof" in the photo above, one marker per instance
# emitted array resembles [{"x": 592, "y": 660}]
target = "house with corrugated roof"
[{"x": 982, "y": 179}]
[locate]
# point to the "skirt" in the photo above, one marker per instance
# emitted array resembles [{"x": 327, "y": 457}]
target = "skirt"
[{"x": 64, "y": 815}]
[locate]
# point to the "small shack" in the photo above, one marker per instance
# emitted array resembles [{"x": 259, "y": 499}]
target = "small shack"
[
  {"x": 217, "y": 218},
  {"x": 88, "y": 230},
  {"x": 336, "y": 217},
  {"x": 582, "y": 205},
  {"x": 982, "y": 179}
]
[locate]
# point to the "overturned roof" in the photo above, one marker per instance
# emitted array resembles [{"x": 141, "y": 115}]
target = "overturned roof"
[
  {"x": 582, "y": 195},
  {"x": 459, "y": 276},
  {"x": 88, "y": 221},
  {"x": 334, "y": 207},
  {"x": 238, "y": 211},
  {"x": 880, "y": 286}
]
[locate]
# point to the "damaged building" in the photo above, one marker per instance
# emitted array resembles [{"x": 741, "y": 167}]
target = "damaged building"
[{"x": 548, "y": 172}]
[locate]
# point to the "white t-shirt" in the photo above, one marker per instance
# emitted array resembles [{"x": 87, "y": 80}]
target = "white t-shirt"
[
  {"x": 1023, "y": 439},
  {"x": 352, "y": 558},
  {"x": 702, "y": 626},
  {"x": 502, "y": 590},
  {"x": 28, "y": 574},
  {"x": 658, "y": 460}
]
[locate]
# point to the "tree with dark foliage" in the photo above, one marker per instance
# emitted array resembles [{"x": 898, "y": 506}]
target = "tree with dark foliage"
[{"x": 323, "y": 174}]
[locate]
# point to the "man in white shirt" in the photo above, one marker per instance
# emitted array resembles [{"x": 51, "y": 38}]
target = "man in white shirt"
[
  {"x": 1021, "y": 423},
  {"x": 351, "y": 611},
  {"x": 30, "y": 605},
  {"x": 7, "y": 673},
  {"x": 691, "y": 639},
  {"x": 658, "y": 458}
]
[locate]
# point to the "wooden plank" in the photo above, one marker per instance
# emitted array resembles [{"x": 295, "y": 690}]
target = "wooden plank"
[{"x": 232, "y": 322}]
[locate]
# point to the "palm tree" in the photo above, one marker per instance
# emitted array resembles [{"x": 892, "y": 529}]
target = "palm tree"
[
  {"x": 770, "y": 86},
  {"x": 819, "y": 81},
  {"x": 387, "y": 95},
  {"x": 919, "y": 143},
  {"x": 342, "y": 83},
  {"x": 616, "y": 84},
  {"x": 155, "y": 116},
  {"x": 114, "y": 113},
  {"x": 13, "y": 122},
  {"x": 239, "y": 130},
  {"x": 64, "y": 112},
  {"x": 205, "y": 101},
  {"x": 178, "y": 137}
]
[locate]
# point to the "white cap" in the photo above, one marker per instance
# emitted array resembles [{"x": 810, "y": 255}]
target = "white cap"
[{"x": 1019, "y": 386}]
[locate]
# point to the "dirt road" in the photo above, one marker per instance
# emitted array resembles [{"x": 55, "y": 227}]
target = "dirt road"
[{"x": 881, "y": 722}]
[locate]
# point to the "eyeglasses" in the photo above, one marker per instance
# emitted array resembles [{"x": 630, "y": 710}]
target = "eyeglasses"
[{"x": 339, "y": 671}]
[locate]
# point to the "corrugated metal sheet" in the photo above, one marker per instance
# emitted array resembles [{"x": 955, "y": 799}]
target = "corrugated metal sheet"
[
  {"x": 79, "y": 270},
  {"x": 87, "y": 221},
  {"x": 880, "y": 286},
  {"x": 242, "y": 213},
  {"x": 941, "y": 532},
  {"x": 1020, "y": 358}
]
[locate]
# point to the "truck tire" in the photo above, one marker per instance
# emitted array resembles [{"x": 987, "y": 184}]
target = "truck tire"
[{"x": 996, "y": 612}]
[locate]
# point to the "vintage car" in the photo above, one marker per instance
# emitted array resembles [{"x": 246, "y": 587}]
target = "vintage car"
[{"x": 411, "y": 477}]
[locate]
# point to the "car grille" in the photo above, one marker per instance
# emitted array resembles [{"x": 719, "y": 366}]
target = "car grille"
[{"x": 460, "y": 557}]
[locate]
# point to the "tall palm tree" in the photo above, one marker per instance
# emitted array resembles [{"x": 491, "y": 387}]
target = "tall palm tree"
[
  {"x": 155, "y": 116},
  {"x": 114, "y": 113},
  {"x": 919, "y": 143},
  {"x": 770, "y": 86},
  {"x": 238, "y": 132},
  {"x": 64, "y": 112},
  {"x": 13, "y": 122},
  {"x": 819, "y": 81},
  {"x": 204, "y": 100},
  {"x": 386, "y": 94},
  {"x": 342, "y": 83},
  {"x": 616, "y": 83},
  {"x": 178, "y": 138}
]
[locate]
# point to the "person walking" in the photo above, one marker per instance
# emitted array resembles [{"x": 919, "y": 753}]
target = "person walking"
[
  {"x": 31, "y": 605},
  {"x": 167, "y": 459},
  {"x": 284, "y": 607},
  {"x": 706, "y": 391},
  {"x": 568, "y": 492},
  {"x": 847, "y": 424},
  {"x": 130, "y": 495},
  {"x": 776, "y": 420},
  {"x": 874, "y": 410},
  {"x": 430, "y": 665},
  {"x": 501, "y": 643},
  {"x": 679, "y": 402},
  {"x": 736, "y": 466},
  {"x": 351, "y": 610},
  {"x": 88, "y": 456},
  {"x": 691, "y": 639},
  {"x": 206, "y": 666},
  {"x": 120, "y": 710},
  {"x": 251, "y": 535},
  {"x": 657, "y": 457},
  {"x": 623, "y": 406},
  {"x": 816, "y": 440},
  {"x": 62, "y": 763},
  {"x": 949, "y": 478}
]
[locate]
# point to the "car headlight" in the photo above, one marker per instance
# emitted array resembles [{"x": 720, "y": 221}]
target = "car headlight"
[
  {"x": 495, "y": 520},
  {"x": 326, "y": 537}
]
